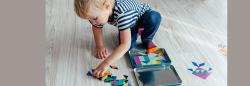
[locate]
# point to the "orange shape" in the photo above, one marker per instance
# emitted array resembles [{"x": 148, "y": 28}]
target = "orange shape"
[
  {"x": 151, "y": 50},
  {"x": 158, "y": 62}
]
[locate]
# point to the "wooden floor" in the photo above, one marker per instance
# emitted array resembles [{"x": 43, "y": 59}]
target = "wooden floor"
[{"x": 191, "y": 30}]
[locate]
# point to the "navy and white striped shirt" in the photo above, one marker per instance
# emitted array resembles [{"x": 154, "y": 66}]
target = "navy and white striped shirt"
[{"x": 126, "y": 13}]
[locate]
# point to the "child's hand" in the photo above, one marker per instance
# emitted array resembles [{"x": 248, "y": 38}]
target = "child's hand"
[
  {"x": 101, "y": 52},
  {"x": 101, "y": 69}
]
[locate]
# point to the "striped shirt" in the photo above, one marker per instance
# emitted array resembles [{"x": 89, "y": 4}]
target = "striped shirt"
[{"x": 126, "y": 13}]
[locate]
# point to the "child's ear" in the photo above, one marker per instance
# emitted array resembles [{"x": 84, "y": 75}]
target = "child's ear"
[{"x": 107, "y": 4}]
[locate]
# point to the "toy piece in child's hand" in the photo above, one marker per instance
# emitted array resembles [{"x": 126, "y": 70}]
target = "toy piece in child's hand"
[
  {"x": 107, "y": 73},
  {"x": 113, "y": 67},
  {"x": 104, "y": 77},
  {"x": 151, "y": 50}
]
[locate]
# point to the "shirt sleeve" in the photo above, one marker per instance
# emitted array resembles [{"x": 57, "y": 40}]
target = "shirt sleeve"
[
  {"x": 97, "y": 26},
  {"x": 127, "y": 19}
]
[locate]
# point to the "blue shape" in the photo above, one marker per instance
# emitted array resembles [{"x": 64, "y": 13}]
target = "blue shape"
[
  {"x": 210, "y": 69},
  {"x": 120, "y": 82},
  {"x": 89, "y": 73},
  {"x": 202, "y": 64},
  {"x": 163, "y": 61},
  {"x": 114, "y": 77},
  {"x": 146, "y": 62},
  {"x": 195, "y": 64},
  {"x": 190, "y": 69}
]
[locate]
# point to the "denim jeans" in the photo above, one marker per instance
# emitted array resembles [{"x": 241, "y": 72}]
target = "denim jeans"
[{"x": 150, "y": 21}]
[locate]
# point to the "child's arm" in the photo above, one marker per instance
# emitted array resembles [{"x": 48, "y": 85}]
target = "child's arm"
[
  {"x": 101, "y": 51},
  {"x": 125, "y": 37}
]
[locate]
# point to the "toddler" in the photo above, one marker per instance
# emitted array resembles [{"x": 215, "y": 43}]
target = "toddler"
[{"x": 127, "y": 16}]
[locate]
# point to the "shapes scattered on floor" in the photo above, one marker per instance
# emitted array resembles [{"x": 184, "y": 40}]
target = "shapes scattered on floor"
[
  {"x": 199, "y": 71},
  {"x": 109, "y": 78}
]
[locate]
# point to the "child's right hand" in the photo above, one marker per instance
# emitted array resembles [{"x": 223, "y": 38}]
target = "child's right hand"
[{"x": 101, "y": 52}]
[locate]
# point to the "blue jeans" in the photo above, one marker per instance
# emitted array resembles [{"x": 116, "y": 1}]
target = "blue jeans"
[{"x": 150, "y": 21}]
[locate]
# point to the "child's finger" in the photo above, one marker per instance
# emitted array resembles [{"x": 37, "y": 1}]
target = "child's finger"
[
  {"x": 103, "y": 55},
  {"x": 98, "y": 73},
  {"x": 94, "y": 73},
  {"x": 101, "y": 74},
  {"x": 106, "y": 52},
  {"x": 99, "y": 55},
  {"x": 96, "y": 54}
]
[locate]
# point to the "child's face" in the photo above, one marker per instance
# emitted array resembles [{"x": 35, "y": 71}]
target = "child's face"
[{"x": 98, "y": 16}]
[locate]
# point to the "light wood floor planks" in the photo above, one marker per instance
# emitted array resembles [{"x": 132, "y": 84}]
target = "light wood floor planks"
[{"x": 191, "y": 30}]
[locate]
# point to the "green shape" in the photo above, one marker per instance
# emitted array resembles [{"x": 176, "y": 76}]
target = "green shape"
[
  {"x": 146, "y": 58},
  {"x": 153, "y": 61},
  {"x": 200, "y": 71},
  {"x": 195, "y": 72},
  {"x": 125, "y": 84},
  {"x": 104, "y": 77},
  {"x": 143, "y": 63},
  {"x": 108, "y": 79},
  {"x": 129, "y": 84},
  {"x": 205, "y": 71}
]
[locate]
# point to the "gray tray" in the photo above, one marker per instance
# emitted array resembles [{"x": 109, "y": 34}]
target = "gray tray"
[{"x": 165, "y": 76}]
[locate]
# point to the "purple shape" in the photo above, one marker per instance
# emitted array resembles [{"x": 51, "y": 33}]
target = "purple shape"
[
  {"x": 137, "y": 60},
  {"x": 114, "y": 82},
  {"x": 198, "y": 68}
]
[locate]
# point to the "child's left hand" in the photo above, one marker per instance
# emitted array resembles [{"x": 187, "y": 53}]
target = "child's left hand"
[{"x": 101, "y": 69}]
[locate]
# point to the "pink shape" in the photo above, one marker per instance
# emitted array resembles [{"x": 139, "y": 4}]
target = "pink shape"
[
  {"x": 137, "y": 60},
  {"x": 203, "y": 76}
]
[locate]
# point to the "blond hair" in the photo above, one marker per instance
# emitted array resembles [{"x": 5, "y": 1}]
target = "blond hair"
[{"x": 82, "y": 6}]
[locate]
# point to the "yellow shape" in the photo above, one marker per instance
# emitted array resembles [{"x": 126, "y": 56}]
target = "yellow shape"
[
  {"x": 157, "y": 62},
  {"x": 160, "y": 54}
]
